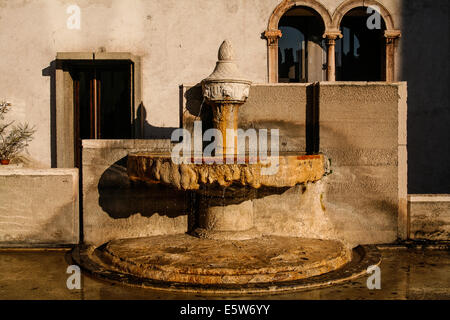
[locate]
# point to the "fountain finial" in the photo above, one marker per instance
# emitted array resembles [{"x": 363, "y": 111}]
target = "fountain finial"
[
  {"x": 226, "y": 52},
  {"x": 226, "y": 82}
]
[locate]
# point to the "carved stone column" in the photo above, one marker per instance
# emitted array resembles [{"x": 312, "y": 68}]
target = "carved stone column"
[
  {"x": 225, "y": 90},
  {"x": 222, "y": 215},
  {"x": 391, "y": 37},
  {"x": 272, "y": 37},
  {"x": 331, "y": 54}
]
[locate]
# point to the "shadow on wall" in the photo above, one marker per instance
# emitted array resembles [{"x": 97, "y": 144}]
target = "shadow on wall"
[
  {"x": 196, "y": 109},
  {"x": 148, "y": 131},
  {"x": 425, "y": 66},
  {"x": 193, "y": 98},
  {"x": 121, "y": 198},
  {"x": 50, "y": 71}
]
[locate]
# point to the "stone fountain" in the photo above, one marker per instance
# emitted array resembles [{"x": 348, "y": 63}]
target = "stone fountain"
[
  {"x": 220, "y": 216},
  {"x": 225, "y": 252}
]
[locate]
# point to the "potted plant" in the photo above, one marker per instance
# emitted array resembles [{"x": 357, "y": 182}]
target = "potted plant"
[{"x": 13, "y": 138}]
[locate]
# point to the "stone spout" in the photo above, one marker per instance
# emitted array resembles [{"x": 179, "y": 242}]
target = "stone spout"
[{"x": 225, "y": 90}]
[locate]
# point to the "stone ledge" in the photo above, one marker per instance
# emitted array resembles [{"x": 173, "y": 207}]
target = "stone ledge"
[
  {"x": 429, "y": 198},
  {"x": 127, "y": 144},
  {"x": 38, "y": 172}
]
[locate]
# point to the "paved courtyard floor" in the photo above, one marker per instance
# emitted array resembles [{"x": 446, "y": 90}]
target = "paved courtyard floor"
[{"x": 405, "y": 274}]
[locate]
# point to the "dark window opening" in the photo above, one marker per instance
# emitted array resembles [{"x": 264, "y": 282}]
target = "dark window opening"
[
  {"x": 103, "y": 104},
  {"x": 301, "y": 49},
  {"x": 360, "y": 54}
]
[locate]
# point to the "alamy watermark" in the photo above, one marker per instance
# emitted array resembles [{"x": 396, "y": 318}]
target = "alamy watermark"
[
  {"x": 74, "y": 280},
  {"x": 374, "y": 280},
  {"x": 74, "y": 20},
  {"x": 374, "y": 20},
  {"x": 255, "y": 151}
]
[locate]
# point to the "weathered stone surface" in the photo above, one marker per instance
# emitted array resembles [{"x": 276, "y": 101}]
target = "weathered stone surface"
[
  {"x": 292, "y": 170},
  {"x": 296, "y": 212},
  {"x": 362, "y": 257},
  {"x": 38, "y": 207},
  {"x": 226, "y": 82},
  {"x": 114, "y": 208},
  {"x": 181, "y": 258},
  {"x": 361, "y": 133},
  {"x": 220, "y": 218},
  {"x": 430, "y": 217},
  {"x": 289, "y": 101}
]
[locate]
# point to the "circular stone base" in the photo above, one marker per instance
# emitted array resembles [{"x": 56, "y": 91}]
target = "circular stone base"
[
  {"x": 226, "y": 235},
  {"x": 185, "y": 263}
]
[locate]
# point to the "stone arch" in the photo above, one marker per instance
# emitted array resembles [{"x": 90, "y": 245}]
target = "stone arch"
[
  {"x": 348, "y": 5},
  {"x": 272, "y": 34},
  {"x": 286, "y": 5},
  {"x": 391, "y": 34}
]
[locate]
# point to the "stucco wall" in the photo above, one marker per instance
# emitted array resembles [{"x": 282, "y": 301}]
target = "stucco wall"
[
  {"x": 38, "y": 207},
  {"x": 176, "y": 40}
]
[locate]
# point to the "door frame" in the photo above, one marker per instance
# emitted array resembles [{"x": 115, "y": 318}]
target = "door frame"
[{"x": 64, "y": 105}]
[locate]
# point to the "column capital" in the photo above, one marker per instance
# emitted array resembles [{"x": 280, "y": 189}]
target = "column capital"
[
  {"x": 272, "y": 36},
  {"x": 332, "y": 35},
  {"x": 392, "y": 35}
]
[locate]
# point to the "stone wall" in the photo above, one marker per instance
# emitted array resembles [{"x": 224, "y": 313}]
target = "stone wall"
[
  {"x": 361, "y": 127},
  {"x": 430, "y": 217},
  {"x": 360, "y": 202},
  {"x": 38, "y": 207},
  {"x": 289, "y": 100},
  {"x": 176, "y": 41},
  {"x": 363, "y": 132},
  {"x": 113, "y": 207}
]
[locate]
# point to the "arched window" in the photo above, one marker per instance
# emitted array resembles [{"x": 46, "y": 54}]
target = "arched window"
[
  {"x": 361, "y": 52},
  {"x": 296, "y": 51},
  {"x": 301, "y": 48}
]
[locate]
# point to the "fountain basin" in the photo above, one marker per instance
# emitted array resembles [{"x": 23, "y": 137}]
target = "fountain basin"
[
  {"x": 225, "y": 209},
  {"x": 293, "y": 169}
]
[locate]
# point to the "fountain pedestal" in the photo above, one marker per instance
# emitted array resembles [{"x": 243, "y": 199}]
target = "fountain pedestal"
[
  {"x": 220, "y": 221},
  {"x": 225, "y": 90}
]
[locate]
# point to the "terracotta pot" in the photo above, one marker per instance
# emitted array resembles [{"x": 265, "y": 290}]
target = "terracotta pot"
[{"x": 4, "y": 161}]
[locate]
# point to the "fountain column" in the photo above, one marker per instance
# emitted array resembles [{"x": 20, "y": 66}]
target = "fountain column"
[
  {"x": 221, "y": 214},
  {"x": 225, "y": 90}
]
